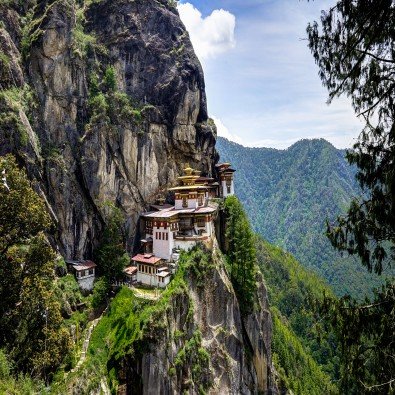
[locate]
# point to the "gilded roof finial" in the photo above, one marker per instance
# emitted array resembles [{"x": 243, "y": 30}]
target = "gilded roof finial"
[{"x": 188, "y": 170}]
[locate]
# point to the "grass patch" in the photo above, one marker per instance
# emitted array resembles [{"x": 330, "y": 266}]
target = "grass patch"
[
  {"x": 108, "y": 106},
  {"x": 132, "y": 324},
  {"x": 12, "y": 101},
  {"x": 195, "y": 356},
  {"x": 4, "y": 59},
  {"x": 82, "y": 41}
]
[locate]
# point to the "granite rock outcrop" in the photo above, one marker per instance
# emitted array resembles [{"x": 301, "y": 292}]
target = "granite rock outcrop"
[
  {"x": 238, "y": 346},
  {"x": 50, "y": 50}
]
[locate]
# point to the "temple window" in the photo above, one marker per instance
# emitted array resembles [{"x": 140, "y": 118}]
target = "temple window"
[
  {"x": 184, "y": 202},
  {"x": 200, "y": 222}
]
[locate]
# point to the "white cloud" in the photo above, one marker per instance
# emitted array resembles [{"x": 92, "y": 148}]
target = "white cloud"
[
  {"x": 223, "y": 131},
  {"x": 211, "y": 35},
  {"x": 266, "y": 90}
]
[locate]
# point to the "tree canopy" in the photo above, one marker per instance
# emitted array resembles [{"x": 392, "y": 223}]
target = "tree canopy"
[
  {"x": 240, "y": 253},
  {"x": 30, "y": 319},
  {"x": 111, "y": 254},
  {"x": 22, "y": 211},
  {"x": 354, "y": 48}
]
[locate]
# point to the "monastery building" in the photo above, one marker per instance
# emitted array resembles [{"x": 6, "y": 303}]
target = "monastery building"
[{"x": 168, "y": 228}]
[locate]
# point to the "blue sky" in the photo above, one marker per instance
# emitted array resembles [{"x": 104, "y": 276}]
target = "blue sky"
[{"x": 262, "y": 83}]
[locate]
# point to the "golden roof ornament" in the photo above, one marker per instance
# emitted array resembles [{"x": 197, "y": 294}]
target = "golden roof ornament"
[{"x": 188, "y": 170}]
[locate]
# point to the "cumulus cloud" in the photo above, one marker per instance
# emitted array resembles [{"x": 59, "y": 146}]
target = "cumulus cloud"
[
  {"x": 211, "y": 35},
  {"x": 223, "y": 131}
]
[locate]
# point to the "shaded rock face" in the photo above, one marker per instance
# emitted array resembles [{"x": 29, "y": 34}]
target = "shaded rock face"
[
  {"x": 238, "y": 347},
  {"x": 127, "y": 161},
  {"x": 46, "y": 113}
]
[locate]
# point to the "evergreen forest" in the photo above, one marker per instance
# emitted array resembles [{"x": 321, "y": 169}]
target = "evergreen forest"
[
  {"x": 290, "y": 194},
  {"x": 113, "y": 280}
]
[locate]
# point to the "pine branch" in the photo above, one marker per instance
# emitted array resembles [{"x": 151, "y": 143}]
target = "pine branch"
[
  {"x": 376, "y": 385},
  {"x": 367, "y": 111},
  {"x": 375, "y": 56}
]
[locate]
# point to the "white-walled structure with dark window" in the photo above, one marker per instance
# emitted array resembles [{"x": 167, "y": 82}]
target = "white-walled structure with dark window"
[
  {"x": 84, "y": 272},
  {"x": 168, "y": 228}
]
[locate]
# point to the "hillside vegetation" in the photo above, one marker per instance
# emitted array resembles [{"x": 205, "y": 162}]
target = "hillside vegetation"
[
  {"x": 305, "y": 365},
  {"x": 290, "y": 193}
]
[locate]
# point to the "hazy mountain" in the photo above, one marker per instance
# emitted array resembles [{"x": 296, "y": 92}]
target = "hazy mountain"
[{"x": 290, "y": 193}]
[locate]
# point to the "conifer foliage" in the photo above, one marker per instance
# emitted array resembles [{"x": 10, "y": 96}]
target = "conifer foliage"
[
  {"x": 30, "y": 317},
  {"x": 111, "y": 254},
  {"x": 366, "y": 334},
  {"x": 354, "y": 49},
  {"x": 240, "y": 253}
]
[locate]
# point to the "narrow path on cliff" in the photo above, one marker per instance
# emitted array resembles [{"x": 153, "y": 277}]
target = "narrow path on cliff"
[
  {"x": 143, "y": 293},
  {"x": 85, "y": 344},
  {"x": 103, "y": 383}
]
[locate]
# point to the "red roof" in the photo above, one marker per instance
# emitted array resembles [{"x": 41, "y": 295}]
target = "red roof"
[
  {"x": 146, "y": 258},
  {"x": 84, "y": 265},
  {"x": 224, "y": 168},
  {"x": 130, "y": 270},
  {"x": 223, "y": 165}
]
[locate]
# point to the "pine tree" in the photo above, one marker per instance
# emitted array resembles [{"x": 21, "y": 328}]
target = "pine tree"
[
  {"x": 354, "y": 49},
  {"x": 241, "y": 255},
  {"x": 111, "y": 254},
  {"x": 30, "y": 320}
]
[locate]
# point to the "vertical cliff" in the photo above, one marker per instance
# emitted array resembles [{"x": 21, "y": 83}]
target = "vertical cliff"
[
  {"x": 104, "y": 100},
  {"x": 192, "y": 339},
  {"x": 101, "y": 100},
  {"x": 195, "y": 339}
]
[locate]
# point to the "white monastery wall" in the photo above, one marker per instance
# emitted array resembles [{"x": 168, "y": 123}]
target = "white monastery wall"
[
  {"x": 86, "y": 283},
  {"x": 161, "y": 247},
  {"x": 192, "y": 203},
  {"x": 152, "y": 280},
  {"x": 225, "y": 189}
]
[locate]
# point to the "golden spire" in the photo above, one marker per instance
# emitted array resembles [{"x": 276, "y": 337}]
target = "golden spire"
[{"x": 188, "y": 170}]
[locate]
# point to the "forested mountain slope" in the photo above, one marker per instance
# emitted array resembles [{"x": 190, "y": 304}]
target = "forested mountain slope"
[
  {"x": 102, "y": 104},
  {"x": 305, "y": 365},
  {"x": 290, "y": 193}
]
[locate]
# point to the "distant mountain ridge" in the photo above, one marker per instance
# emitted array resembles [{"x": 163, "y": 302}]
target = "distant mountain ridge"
[{"x": 290, "y": 193}]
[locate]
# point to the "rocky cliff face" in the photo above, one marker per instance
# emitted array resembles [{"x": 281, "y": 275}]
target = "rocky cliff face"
[
  {"x": 68, "y": 125},
  {"x": 204, "y": 318},
  {"x": 103, "y": 100}
]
